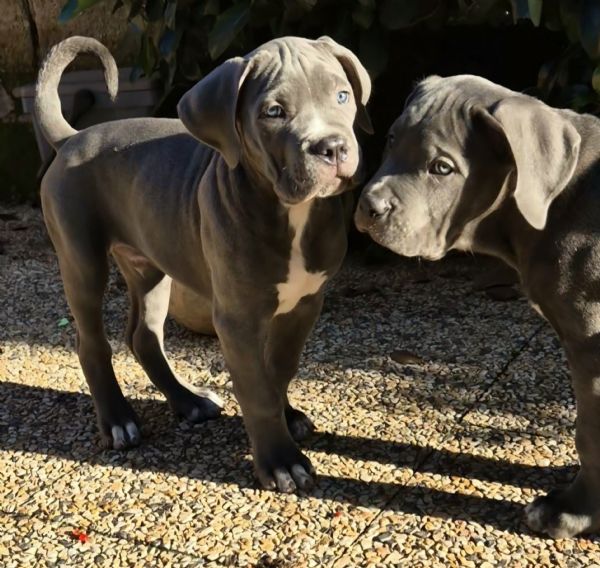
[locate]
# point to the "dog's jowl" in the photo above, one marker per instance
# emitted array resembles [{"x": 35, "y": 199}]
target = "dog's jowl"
[
  {"x": 470, "y": 165},
  {"x": 238, "y": 204}
]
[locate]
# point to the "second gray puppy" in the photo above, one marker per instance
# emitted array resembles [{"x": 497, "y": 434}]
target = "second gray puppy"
[{"x": 470, "y": 165}]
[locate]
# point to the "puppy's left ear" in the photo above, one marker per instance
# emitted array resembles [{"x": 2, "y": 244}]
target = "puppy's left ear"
[
  {"x": 209, "y": 109},
  {"x": 358, "y": 77},
  {"x": 545, "y": 149}
]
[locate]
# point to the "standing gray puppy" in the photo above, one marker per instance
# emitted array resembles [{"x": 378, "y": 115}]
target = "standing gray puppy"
[
  {"x": 250, "y": 219},
  {"x": 470, "y": 165}
]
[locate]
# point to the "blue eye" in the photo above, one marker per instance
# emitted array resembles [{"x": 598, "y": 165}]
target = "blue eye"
[
  {"x": 275, "y": 111},
  {"x": 342, "y": 97}
]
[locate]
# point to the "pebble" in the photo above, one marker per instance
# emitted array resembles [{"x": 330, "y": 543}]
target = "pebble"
[{"x": 439, "y": 413}]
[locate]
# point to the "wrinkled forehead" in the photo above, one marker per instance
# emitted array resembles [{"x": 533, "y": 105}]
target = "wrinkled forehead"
[
  {"x": 436, "y": 127},
  {"x": 451, "y": 98},
  {"x": 295, "y": 69}
]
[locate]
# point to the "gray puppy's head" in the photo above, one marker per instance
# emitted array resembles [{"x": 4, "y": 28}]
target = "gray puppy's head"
[
  {"x": 286, "y": 112},
  {"x": 463, "y": 148}
]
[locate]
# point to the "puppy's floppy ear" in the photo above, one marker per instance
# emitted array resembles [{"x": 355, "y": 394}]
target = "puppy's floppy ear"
[
  {"x": 544, "y": 147},
  {"x": 208, "y": 110},
  {"x": 358, "y": 77}
]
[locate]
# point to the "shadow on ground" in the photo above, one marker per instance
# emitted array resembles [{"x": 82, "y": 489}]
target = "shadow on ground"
[{"x": 57, "y": 424}]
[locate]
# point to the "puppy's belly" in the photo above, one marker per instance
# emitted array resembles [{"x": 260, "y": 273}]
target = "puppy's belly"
[{"x": 300, "y": 282}]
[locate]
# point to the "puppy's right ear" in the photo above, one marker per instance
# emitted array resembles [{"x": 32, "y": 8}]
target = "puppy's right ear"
[{"x": 209, "y": 109}]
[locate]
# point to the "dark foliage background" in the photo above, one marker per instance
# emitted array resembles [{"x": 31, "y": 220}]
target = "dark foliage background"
[{"x": 549, "y": 48}]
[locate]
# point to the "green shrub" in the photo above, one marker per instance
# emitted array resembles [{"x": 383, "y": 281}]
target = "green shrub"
[{"x": 184, "y": 39}]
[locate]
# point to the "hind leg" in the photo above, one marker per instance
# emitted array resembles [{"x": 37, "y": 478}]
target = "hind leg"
[
  {"x": 85, "y": 277},
  {"x": 149, "y": 289}
]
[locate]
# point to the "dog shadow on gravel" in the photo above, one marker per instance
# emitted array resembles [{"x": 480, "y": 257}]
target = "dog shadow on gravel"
[{"x": 59, "y": 424}]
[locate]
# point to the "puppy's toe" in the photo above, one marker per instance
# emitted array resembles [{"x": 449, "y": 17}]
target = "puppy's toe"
[
  {"x": 196, "y": 408},
  {"x": 127, "y": 436},
  {"x": 302, "y": 478},
  {"x": 300, "y": 426},
  {"x": 119, "y": 426},
  {"x": 284, "y": 468},
  {"x": 283, "y": 479}
]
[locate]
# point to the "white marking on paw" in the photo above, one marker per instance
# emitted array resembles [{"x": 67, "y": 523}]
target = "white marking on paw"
[
  {"x": 570, "y": 525},
  {"x": 118, "y": 435},
  {"x": 132, "y": 430},
  {"x": 300, "y": 282}
]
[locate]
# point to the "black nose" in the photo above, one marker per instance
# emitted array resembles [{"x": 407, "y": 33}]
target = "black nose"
[
  {"x": 374, "y": 206},
  {"x": 332, "y": 149}
]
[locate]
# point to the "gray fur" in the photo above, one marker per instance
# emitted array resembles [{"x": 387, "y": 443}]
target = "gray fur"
[
  {"x": 219, "y": 224},
  {"x": 525, "y": 189}
]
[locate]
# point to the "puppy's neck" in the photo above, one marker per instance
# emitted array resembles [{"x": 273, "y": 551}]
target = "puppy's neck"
[{"x": 507, "y": 235}]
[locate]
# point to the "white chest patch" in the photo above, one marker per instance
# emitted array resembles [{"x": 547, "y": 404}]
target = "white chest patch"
[{"x": 299, "y": 281}]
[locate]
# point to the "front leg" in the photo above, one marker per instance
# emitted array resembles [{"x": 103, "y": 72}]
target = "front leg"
[
  {"x": 277, "y": 460},
  {"x": 576, "y": 508},
  {"x": 287, "y": 336}
]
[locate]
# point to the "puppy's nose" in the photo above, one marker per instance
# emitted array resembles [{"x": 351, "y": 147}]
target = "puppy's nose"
[
  {"x": 332, "y": 149},
  {"x": 374, "y": 206}
]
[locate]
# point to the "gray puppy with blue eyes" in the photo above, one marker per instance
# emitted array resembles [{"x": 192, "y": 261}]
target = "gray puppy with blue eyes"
[
  {"x": 239, "y": 202},
  {"x": 473, "y": 166}
]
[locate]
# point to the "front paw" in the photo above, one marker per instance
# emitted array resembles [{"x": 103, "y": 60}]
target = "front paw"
[
  {"x": 299, "y": 425},
  {"x": 196, "y": 407},
  {"x": 560, "y": 515},
  {"x": 119, "y": 426},
  {"x": 283, "y": 467}
]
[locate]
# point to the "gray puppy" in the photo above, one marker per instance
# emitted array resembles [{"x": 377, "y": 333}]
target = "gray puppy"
[
  {"x": 250, "y": 219},
  {"x": 470, "y": 165}
]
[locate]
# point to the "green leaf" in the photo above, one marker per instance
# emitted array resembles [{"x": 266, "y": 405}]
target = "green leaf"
[
  {"x": 170, "y": 12},
  {"x": 64, "y": 322},
  {"x": 535, "y": 11},
  {"x": 227, "y": 27},
  {"x": 527, "y": 10},
  {"x": 569, "y": 16},
  {"x": 596, "y": 79},
  {"x": 148, "y": 55},
  {"x": 398, "y": 14},
  {"x": 589, "y": 28},
  {"x": 167, "y": 43},
  {"x": 74, "y": 7}
]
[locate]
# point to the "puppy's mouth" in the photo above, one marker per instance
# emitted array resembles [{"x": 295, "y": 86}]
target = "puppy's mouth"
[{"x": 308, "y": 182}]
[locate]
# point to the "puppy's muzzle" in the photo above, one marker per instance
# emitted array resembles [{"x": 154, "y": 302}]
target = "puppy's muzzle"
[{"x": 371, "y": 209}]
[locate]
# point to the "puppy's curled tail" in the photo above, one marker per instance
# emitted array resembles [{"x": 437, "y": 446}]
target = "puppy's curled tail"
[{"x": 47, "y": 102}]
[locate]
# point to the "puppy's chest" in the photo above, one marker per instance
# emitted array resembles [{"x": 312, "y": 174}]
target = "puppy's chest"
[{"x": 300, "y": 281}]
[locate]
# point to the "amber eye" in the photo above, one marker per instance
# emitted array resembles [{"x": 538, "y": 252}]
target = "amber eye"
[
  {"x": 441, "y": 167},
  {"x": 343, "y": 97},
  {"x": 275, "y": 111}
]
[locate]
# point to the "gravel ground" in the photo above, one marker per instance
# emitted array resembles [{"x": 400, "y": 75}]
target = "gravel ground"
[{"x": 440, "y": 413}]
